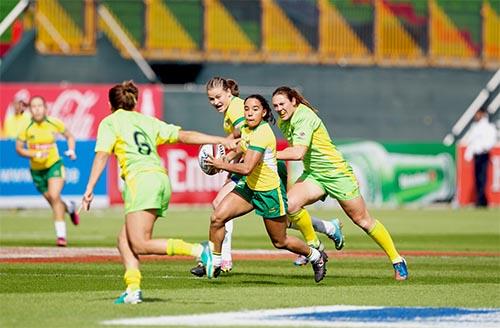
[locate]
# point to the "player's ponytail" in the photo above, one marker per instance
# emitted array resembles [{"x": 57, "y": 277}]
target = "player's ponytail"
[
  {"x": 225, "y": 84},
  {"x": 292, "y": 93},
  {"x": 123, "y": 96}
]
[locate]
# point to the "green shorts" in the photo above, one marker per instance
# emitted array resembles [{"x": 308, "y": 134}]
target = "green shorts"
[
  {"x": 338, "y": 185},
  {"x": 41, "y": 177},
  {"x": 269, "y": 204},
  {"x": 146, "y": 191}
]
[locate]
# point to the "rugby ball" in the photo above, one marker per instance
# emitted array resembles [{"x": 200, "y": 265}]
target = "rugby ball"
[{"x": 216, "y": 151}]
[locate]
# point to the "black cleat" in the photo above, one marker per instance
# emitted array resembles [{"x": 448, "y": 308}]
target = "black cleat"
[
  {"x": 319, "y": 267},
  {"x": 217, "y": 271},
  {"x": 199, "y": 270}
]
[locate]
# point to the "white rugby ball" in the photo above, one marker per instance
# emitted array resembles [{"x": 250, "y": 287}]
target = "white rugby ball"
[{"x": 216, "y": 151}]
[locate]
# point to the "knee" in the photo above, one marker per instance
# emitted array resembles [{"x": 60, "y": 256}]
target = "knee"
[
  {"x": 139, "y": 247},
  {"x": 293, "y": 206},
  {"x": 53, "y": 198},
  {"x": 363, "y": 220},
  {"x": 217, "y": 220},
  {"x": 279, "y": 243}
]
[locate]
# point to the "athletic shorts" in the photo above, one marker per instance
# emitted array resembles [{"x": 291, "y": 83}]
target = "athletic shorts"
[
  {"x": 146, "y": 191},
  {"x": 339, "y": 185},
  {"x": 269, "y": 204},
  {"x": 41, "y": 177}
]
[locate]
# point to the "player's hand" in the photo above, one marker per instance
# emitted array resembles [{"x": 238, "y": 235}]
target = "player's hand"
[
  {"x": 40, "y": 154},
  {"x": 88, "y": 197},
  {"x": 231, "y": 143},
  {"x": 71, "y": 154},
  {"x": 215, "y": 162}
]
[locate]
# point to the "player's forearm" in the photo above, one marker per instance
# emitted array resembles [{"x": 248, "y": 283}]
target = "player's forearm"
[
  {"x": 71, "y": 143},
  {"x": 25, "y": 152},
  {"x": 291, "y": 154},
  {"x": 198, "y": 138},
  {"x": 100, "y": 161},
  {"x": 238, "y": 168}
]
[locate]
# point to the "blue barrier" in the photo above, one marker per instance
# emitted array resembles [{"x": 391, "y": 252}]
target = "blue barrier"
[{"x": 16, "y": 185}]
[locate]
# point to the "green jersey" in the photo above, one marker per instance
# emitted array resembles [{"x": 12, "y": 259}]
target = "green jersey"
[
  {"x": 306, "y": 128},
  {"x": 133, "y": 138}
]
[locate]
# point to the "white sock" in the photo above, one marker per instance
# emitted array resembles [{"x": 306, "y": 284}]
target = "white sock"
[
  {"x": 322, "y": 226},
  {"x": 217, "y": 260},
  {"x": 314, "y": 256},
  {"x": 60, "y": 229},
  {"x": 226, "y": 243}
]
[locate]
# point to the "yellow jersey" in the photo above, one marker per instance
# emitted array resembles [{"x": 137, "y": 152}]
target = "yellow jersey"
[
  {"x": 264, "y": 176},
  {"x": 234, "y": 116},
  {"x": 42, "y": 137},
  {"x": 14, "y": 124}
]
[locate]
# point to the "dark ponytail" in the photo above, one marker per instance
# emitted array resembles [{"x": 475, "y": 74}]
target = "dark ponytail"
[
  {"x": 124, "y": 96},
  {"x": 292, "y": 93}
]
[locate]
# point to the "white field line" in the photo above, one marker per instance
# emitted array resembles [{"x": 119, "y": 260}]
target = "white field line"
[{"x": 284, "y": 318}]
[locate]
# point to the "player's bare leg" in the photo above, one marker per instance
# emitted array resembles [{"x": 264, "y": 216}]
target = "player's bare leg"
[{"x": 53, "y": 197}]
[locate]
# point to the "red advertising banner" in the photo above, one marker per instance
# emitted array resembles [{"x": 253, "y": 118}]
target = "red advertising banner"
[
  {"x": 189, "y": 184},
  {"x": 80, "y": 106},
  {"x": 466, "y": 192}
]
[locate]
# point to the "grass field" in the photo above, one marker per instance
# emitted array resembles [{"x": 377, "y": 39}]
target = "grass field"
[{"x": 81, "y": 294}]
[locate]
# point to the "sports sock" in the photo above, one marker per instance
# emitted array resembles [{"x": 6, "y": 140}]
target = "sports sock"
[
  {"x": 302, "y": 221},
  {"x": 60, "y": 227},
  {"x": 314, "y": 255},
  {"x": 217, "y": 259},
  {"x": 132, "y": 279},
  {"x": 322, "y": 226},
  {"x": 382, "y": 237},
  {"x": 226, "y": 243},
  {"x": 180, "y": 247}
]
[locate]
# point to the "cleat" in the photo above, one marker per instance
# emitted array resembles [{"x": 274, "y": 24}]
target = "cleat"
[
  {"x": 207, "y": 258},
  {"x": 337, "y": 236},
  {"x": 302, "y": 260},
  {"x": 217, "y": 271},
  {"x": 61, "y": 242},
  {"x": 226, "y": 266},
  {"x": 73, "y": 213},
  {"x": 129, "y": 297},
  {"x": 199, "y": 270},
  {"x": 319, "y": 267},
  {"x": 400, "y": 270}
]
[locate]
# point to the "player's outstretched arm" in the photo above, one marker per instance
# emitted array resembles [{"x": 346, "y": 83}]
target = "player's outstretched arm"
[
  {"x": 70, "y": 139},
  {"x": 294, "y": 153},
  {"x": 198, "y": 138},
  {"x": 100, "y": 160}
]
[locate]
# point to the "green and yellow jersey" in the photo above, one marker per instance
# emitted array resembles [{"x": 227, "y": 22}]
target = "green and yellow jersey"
[
  {"x": 133, "y": 138},
  {"x": 306, "y": 128},
  {"x": 42, "y": 137},
  {"x": 234, "y": 116},
  {"x": 264, "y": 176}
]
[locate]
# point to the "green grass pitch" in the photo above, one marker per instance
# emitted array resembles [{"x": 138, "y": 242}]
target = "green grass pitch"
[{"x": 82, "y": 294}]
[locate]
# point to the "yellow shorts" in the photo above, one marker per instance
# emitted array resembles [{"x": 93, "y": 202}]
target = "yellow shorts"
[{"x": 146, "y": 191}]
